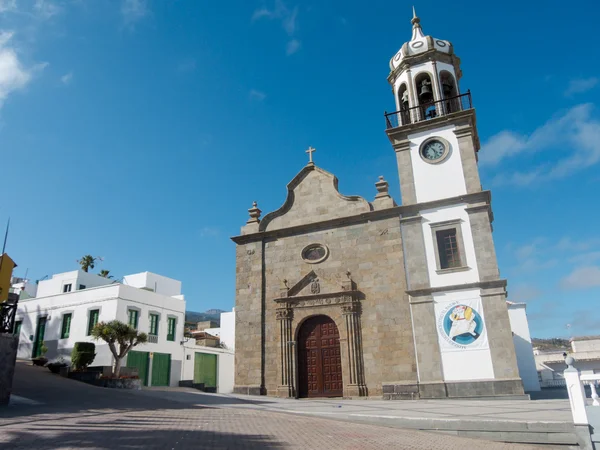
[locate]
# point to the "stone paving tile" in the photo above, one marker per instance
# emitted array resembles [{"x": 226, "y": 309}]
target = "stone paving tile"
[
  {"x": 74, "y": 415},
  {"x": 218, "y": 428}
]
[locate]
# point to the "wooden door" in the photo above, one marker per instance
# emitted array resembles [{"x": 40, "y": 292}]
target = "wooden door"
[
  {"x": 205, "y": 369},
  {"x": 39, "y": 337},
  {"x": 139, "y": 360},
  {"x": 161, "y": 369},
  {"x": 319, "y": 359}
]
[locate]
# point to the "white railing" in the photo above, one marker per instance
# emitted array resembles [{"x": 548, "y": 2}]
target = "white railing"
[
  {"x": 592, "y": 380},
  {"x": 152, "y": 339},
  {"x": 582, "y": 413}
]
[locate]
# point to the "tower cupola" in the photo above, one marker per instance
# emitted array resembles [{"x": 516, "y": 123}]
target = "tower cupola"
[{"x": 424, "y": 78}]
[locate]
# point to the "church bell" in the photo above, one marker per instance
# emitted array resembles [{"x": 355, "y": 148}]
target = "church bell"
[{"x": 425, "y": 94}]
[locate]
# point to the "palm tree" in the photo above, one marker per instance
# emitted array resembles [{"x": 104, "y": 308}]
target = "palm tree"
[
  {"x": 87, "y": 262},
  {"x": 105, "y": 273},
  {"x": 116, "y": 332}
]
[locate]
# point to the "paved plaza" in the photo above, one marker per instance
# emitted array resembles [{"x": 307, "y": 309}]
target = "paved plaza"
[{"x": 53, "y": 412}]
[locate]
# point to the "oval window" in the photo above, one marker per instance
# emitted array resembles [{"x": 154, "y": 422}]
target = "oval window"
[{"x": 315, "y": 253}]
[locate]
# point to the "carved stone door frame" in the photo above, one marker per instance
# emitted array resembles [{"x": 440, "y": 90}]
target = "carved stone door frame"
[{"x": 348, "y": 302}]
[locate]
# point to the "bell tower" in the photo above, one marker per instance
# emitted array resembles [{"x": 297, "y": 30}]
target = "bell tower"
[
  {"x": 457, "y": 299},
  {"x": 425, "y": 75}
]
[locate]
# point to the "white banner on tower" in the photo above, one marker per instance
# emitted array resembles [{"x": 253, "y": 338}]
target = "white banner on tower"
[{"x": 461, "y": 326}]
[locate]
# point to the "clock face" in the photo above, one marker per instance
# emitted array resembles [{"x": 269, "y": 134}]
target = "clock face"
[{"x": 433, "y": 150}]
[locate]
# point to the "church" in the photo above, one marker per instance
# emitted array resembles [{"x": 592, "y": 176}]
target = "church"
[{"x": 337, "y": 296}]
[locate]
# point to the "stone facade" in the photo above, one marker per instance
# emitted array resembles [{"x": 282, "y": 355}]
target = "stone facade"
[
  {"x": 414, "y": 290},
  {"x": 8, "y": 356},
  {"x": 361, "y": 286},
  {"x": 382, "y": 308}
]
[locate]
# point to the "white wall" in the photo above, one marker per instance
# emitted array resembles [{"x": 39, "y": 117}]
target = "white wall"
[
  {"x": 437, "y": 181},
  {"x": 153, "y": 282},
  {"x": 146, "y": 303},
  {"x": 24, "y": 289},
  {"x": 523, "y": 348},
  {"x": 55, "y": 285},
  {"x": 462, "y": 365},
  {"x": 113, "y": 301},
  {"x": 432, "y": 216},
  {"x": 225, "y": 365},
  {"x": 77, "y": 303},
  {"x": 227, "y": 332},
  {"x": 585, "y": 345}
]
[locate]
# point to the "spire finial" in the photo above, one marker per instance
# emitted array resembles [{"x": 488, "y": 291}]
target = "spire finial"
[
  {"x": 416, "y": 23},
  {"x": 415, "y": 20}
]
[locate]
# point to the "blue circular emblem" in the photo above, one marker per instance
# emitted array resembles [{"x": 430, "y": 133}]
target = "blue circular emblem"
[{"x": 462, "y": 324}]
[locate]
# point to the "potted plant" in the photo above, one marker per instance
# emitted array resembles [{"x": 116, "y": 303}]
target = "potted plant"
[
  {"x": 55, "y": 366},
  {"x": 82, "y": 356},
  {"x": 41, "y": 360},
  {"x": 121, "y": 338}
]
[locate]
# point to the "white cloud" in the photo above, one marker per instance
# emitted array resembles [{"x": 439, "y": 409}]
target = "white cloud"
[
  {"x": 67, "y": 78},
  {"x": 280, "y": 12},
  {"x": 8, "y": 6},
  {"x": 46, "y": 9},
  {"x": 288, "y": 19},
  {"x": 134, "y": 10},
  {"x": 13, "y": 75},
  {"x": 292, "y": 47},
  {"x": 209, "y": 231},
  {"x": 582, "y": 278},
  {"x": 581, "y": 85},
  {"x": 575, "y": 133},
  {"x": 568, "y": 244},
  {"x": 257, "y": 95},
  {"x": 585, "y": 258},
  {"x": 524, "y": 292}
]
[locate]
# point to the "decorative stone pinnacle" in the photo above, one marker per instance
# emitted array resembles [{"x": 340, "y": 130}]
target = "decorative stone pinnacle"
[
  {"x": 415, "y": 20},
  {"x": 254, "y": 213},
  {"x": 569, "y": 361},
  {"x": 382, "y": 188}
]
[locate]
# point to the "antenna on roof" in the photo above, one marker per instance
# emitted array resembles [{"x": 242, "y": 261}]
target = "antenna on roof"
[{"x": 6, "y": 236}]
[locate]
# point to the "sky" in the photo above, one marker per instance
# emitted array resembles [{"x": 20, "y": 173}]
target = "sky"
[{"x": 142, "y": 131}]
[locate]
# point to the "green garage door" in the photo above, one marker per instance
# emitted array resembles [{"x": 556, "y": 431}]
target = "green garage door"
[
  {"x": 205, "y": 369},
  {"x": 161, "y": 369},
  {"x": 140, "y": 361}
]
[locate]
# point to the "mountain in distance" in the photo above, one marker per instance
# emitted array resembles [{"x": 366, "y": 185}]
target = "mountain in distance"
[
  {"x": 214, "y": 311},
  {"x": 194, "y": 317},
  {"x": 551, "y": 344}
]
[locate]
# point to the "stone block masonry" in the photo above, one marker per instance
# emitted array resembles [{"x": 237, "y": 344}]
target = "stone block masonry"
[{"x": 8, "y": 356}]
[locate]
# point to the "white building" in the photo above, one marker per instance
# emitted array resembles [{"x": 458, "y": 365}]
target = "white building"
[
  {"x": 23, "y": 287},
  {"x": 551, "y": 364},
  {"x": 69, "y": 304},
  {"x": 225, "y": 332},
  {"x": 523, "y": 348}
]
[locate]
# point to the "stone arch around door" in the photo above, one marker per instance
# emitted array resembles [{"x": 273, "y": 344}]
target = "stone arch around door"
[
  {"x": 319, "y": 358},
  {"x": 344, "y": 309}
]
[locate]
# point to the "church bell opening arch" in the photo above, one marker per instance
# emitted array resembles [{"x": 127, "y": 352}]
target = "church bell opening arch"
[{"x": 319, "y": 358}]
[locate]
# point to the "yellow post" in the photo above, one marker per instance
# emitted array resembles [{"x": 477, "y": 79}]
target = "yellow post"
[{"x": 6, "y": 268}]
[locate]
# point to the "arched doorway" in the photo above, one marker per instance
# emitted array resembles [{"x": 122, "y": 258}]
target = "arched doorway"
[{"x": 319, "y": 359}]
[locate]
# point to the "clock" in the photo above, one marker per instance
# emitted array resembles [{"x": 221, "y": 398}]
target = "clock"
[{"x": 434, "y": 150}]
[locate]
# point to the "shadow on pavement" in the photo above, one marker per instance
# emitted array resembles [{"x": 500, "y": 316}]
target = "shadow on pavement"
[
  {"x": 127, "y": 434},
  {"x": 194, "y": 397},
  {"x": 56, "y": 394}
]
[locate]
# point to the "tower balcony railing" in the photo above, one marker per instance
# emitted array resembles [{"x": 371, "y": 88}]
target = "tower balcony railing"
[{"x": 428, "y": 111}]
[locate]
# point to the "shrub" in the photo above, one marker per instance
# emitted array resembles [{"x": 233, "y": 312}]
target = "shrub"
[{"x": 83, "y": 355}]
